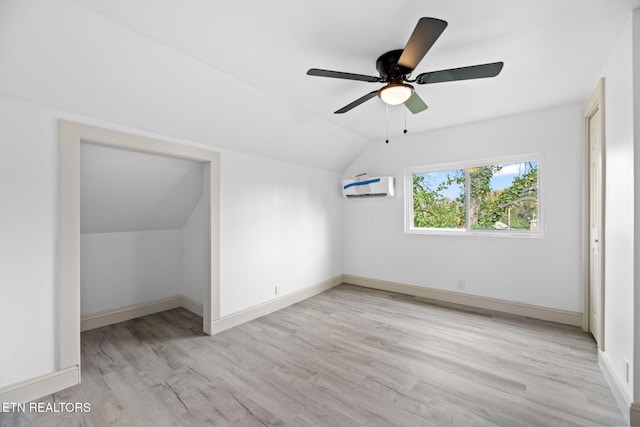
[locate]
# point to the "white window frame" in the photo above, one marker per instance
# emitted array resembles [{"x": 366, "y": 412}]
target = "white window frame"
[{"x": 465, "y": 165}]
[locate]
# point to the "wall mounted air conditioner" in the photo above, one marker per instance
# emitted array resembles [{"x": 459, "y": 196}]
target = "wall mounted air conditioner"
[{"x": 363, "y": 186}]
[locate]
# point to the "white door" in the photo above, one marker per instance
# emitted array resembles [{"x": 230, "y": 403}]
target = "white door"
[{"x": 596, "y": 293}]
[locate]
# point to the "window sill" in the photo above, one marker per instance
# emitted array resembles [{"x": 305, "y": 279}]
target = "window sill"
[{"x": 477, "y": 233}]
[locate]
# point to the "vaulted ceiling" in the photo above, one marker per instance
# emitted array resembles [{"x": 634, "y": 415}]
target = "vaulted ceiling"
[
  {"x": 232, "y": 74},
  {"x": 124, "y": 191}
]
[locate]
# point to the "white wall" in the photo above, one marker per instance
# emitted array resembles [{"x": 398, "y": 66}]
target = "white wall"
[
  {"x": 194, "y": 254},
  {"x": 279, "y": 222},
  {"x": 619, "y": 220},
  {"x": 126, "y": 268},
  {"x": 28, "y": 231},
  {"x": 543, "y": 272},
  {"x": 280, "y": 225}
]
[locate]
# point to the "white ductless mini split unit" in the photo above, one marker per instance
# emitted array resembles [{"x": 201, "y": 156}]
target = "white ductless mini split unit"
[{"x": 365, "y": 186}]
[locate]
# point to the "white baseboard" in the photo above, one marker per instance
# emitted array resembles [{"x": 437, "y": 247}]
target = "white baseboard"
[
  {"x": 536, "y": 312},
  {"x": 193, "y": 306},
  {"x": 619, "y": 390},
  {"x": 138, "y": 310},
  {"x": 43, "y": 385},
  {"x": 276, "y": 304}
]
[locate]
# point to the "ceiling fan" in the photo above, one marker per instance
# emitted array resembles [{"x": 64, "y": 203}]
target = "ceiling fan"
[{"x": 396, "y": 66}]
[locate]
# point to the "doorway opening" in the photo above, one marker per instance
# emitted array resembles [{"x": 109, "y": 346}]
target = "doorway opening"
[
  {"x": 142, "y": 240},
  {"x": 593, "y": 230},
  {"x": 72, "y": 136}
]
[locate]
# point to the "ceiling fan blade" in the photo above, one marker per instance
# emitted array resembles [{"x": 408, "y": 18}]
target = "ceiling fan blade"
[
  {"x": 463, "y": 73},
  {"x": 423, "y": 37},
  {"x": 415, "y": 104},
  {"x": 357, "y": 102},
  {"x": 342, "y": 75}
]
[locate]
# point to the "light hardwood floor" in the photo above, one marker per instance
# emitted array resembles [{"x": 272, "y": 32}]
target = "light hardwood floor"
[{"x": 348, "y": 357}]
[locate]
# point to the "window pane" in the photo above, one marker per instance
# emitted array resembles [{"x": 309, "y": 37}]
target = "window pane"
[
  {"x": 439, "y": 199},
  {"x": 504, "y": 197}
]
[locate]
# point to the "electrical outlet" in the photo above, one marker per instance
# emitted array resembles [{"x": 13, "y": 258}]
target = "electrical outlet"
[
  {"x": 461, "y": 285},
  {"x": 277, "y": 290},
  {"x": 626, "y": 369}
]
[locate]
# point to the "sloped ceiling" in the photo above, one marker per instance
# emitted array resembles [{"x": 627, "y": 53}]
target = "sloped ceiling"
[
  {"x": 123, "y": 191},
  {"x": 232, "y": 74}
]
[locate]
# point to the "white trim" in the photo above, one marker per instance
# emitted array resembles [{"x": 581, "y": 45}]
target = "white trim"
[
  {"x": 193, "y": 306},
  {"x": 275, "y": 304},
  {"x": 473, "y": 163},
  {"x": 619, "y": 390},
  {"x": 543, "y": 313},
  {"x": 134, "y": 311},
  {"x": 71, "y": 136},
  {"x": 596, "y": 102},
  {"x": 34, "y": 388},
  {"x": 68, "y": 301},
  {"x": 478, "y": 233}
]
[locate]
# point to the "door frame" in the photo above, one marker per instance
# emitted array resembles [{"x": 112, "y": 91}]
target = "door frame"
[
  {"x": 71, "y": 136},
  {"x": 594, "y": 103}
]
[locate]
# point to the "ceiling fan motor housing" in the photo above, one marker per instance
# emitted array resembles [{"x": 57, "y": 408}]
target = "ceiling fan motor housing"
[{"x": 390, "y": 71}]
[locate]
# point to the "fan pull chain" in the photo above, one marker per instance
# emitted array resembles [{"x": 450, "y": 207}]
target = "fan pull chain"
[
  {"x": 387, "y": 141},
  {"x": 405, "y": 121}
]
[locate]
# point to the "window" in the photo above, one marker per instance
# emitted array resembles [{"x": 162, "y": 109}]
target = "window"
[
  {"x": 486, "y": 197},
  {"x": 439, "y": 199}
]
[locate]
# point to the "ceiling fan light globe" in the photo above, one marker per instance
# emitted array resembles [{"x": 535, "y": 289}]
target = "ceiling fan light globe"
[{"x": 395, "y": 93}]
